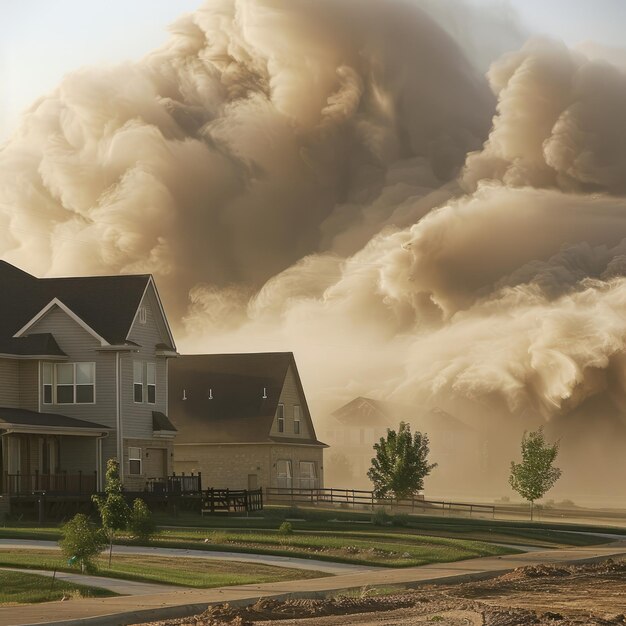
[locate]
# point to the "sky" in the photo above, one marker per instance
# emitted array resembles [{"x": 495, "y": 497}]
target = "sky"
[{"x": 40, "y": 41}]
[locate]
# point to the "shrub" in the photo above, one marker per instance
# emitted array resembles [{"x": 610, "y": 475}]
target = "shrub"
[
  {"x": 81, "y": 542},
  {"x": 401, "y": 519},
  {"x": 380, "y": 517},
  {"x": 141, "y": 524},
  {"x": 285, "y": 528}
]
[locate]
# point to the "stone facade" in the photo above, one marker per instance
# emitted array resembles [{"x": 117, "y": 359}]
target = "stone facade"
[{"x": 243, "y": 466}]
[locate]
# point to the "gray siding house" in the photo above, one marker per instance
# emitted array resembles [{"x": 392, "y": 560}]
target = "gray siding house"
[
  {"x": 83, "y": 378},
  {"x": 243, "y": 421}
]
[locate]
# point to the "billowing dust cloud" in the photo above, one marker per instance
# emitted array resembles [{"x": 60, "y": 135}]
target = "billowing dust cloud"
[{"x": 338, "y": 179}]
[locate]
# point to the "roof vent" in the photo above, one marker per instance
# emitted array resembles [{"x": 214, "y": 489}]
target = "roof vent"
[
  {"x": 184, "y": 394},
  {"x": 264, "y": 393},
  {"x": 210, "y": 396}
]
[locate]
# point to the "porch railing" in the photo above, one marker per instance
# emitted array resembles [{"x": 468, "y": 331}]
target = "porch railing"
[
  {"x": 176, "y": 484},
  {"x": 57, "y": 483}
]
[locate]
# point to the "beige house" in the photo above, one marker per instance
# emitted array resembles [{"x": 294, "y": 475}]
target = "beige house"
[{"x": 243, "y": 421}]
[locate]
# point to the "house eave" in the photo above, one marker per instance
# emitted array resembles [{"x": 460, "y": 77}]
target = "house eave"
[
  {"x": 34, "y": 357},
  {"x": 53, "y": 430}
]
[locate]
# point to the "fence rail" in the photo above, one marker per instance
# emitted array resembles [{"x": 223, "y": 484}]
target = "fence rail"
[
  {"x": 229, "y": 500},
  {"x": 57, "y": 483},
  {"x": 176, "y": 484},
  {"x": 358, "y": 497}
]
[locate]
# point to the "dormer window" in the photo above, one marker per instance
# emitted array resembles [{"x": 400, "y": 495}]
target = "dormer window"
[{"x": 143, "y": 315}]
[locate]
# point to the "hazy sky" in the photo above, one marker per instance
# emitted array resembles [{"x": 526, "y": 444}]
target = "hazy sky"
[{"x": 41, "y": 40}]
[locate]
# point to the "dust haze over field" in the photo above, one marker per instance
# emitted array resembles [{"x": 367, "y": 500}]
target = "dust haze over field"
[{"x": 338, "y": 178}]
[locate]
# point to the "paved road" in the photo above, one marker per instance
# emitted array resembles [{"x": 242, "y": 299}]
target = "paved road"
[
  {"x": 121, "y": 610},
  {"x": 123, "y": 587},
  {"x": 264, "y": 559}
]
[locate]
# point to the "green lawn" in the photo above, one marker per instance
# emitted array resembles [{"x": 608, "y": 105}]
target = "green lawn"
[
  {"x": 167, "y": 570},
  {"x": 23, "y": 588}
]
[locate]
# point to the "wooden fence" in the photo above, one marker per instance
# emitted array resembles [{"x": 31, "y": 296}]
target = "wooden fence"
[
  {"x": 362, "y": 498},
  {"x": 231, "y": 500},
  {"x": 175, "y": 484},
  {"x": 58, "y": 483}
]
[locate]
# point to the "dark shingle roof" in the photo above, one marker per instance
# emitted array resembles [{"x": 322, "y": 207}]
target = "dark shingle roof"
[
  {"x": 23, "y": 417},
  {"x": 106, "y": 303},
  {"x": 38, "y": 344},
  {"x": 237, "y": 411},
  {"x": 161, "y": 422},
  {"x": 369, "y": 412}
]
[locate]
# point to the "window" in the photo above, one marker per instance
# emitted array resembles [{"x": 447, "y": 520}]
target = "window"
[
  {"x": 283, "y": 473},
  {"x": 47, "y": 383},
  {"x": 151, "y": 380},
  {"x": 134, "y": 461},
  {"x": 138, "y": 381},
  {"x": 280, "y": 414},
  {"x": 296, "y": 419},
  {"x": 307, "y": 475},
  {"x": 143, "y": 315},
  {"x": 74, "y": 383}
]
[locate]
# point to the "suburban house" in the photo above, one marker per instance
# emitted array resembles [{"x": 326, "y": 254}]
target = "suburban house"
[
  {"x": 243, "y": 421},
  {"x": 83, "y": 378},
  {"x": 354, "y": 428}
]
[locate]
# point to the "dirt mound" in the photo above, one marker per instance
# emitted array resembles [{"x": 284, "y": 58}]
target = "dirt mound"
[
  {"x": 609, "y": 567},
  {"x": 269, "y": 609}
]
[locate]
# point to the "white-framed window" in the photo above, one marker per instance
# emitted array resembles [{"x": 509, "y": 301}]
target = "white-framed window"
[
  {"x": 151, "y": 382},
  {"x": 283, "y": 473},
  {"x": 280, "y": 417},
  {"x": 138, "y": 381},
  {"x": 69, "y": 383},
  {"x": 48, "y": 382},
  {"x": 134, "y": 461},
  {"x": 143, "y": 315},
  {"x": 308, "y": 475},
  {"x": 296, "y": 419}
]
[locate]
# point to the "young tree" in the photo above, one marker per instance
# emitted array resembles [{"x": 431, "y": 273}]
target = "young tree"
[
  {"x": 401, "y": 463},
  {"x": 82, "y": 541},
  {"x": 141, "y": 523},
  {"x": 535, "y": 475},
  {"x": 113, "y": 509}
]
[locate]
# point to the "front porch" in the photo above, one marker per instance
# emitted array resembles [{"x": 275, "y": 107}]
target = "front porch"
[{"x": 47, "y": 453}]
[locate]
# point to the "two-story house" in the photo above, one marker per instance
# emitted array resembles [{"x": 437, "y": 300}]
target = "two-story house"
[
  {"x": 243, "y": 421},
  {"x": 83, "y": 378}
]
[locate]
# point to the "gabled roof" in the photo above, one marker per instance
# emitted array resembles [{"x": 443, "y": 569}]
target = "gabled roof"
[
  {"x": 230, "y": 398},
  {"x": 23, "y": 417},
  {"x": 161, "y": 422},
  {"x": 106, "y": 304},
  {"x": 370, "y": 412}
]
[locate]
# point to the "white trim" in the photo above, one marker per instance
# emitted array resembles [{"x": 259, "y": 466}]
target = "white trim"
[
  {"x": 164, "y": 434},
  {"x": 161, "y": 309},
  {"x": 118, "y": 405},
  {"x": 54, "y": 430},
  {"x": 33, "y": 357},
  {"x": 56, "y": 302}
]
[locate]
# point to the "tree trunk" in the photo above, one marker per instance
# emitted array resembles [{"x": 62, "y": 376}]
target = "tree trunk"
[
  {"x": 531, "y": 510},
  {"x": 110, "y": 549}
]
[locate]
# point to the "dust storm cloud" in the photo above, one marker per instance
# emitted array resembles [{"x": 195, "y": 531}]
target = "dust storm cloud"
[{"x": 339, "y": 179}]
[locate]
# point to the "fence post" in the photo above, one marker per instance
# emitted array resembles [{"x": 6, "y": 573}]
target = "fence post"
[
  {"x": 200, "y": 482},
  {"x": 261, "y": 496}
]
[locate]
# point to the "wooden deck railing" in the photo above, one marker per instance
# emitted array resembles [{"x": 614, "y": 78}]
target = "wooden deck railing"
[
  {"x": 176, "y": 484},
  {"x": 57, "y": 483},
  {"x": 232, "y": 500}
]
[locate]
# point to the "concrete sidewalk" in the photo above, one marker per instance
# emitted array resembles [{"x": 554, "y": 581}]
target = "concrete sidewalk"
[
  {"x": 119, "y": 611},
  {"x": 327, "y": 567},
  {"x": 116, "y": 585}
]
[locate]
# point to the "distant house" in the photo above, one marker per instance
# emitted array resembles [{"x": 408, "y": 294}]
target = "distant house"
[
  {"x": 83, "y": 378},
  {"x": 354, "y": 428},
  {"x": 243, "y": 421}
]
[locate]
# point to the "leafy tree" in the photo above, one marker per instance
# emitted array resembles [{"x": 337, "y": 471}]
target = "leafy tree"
[
  {"x": 401, "y": 463},
  {"x": 535, "y": 475},
  {"x": 82, "y": 541},
  {"x": 113, "y": 508},
  {"x": 141, "y": 524}
]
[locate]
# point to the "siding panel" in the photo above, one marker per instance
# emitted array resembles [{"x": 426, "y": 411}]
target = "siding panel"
[{"x": 9, "y": 383}]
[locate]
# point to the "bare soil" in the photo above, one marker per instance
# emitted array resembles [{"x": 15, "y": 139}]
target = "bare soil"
[{"x": 573, "y": 595}]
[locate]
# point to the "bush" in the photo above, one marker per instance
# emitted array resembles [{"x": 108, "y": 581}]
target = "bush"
[
  {"x": 81, "y": 542},
  {"x": 141, "y": 524},
  {"x": 285, "y": 528},
  {"x": 380, "y": 517},
  {"x": 401, "y": 519}
]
